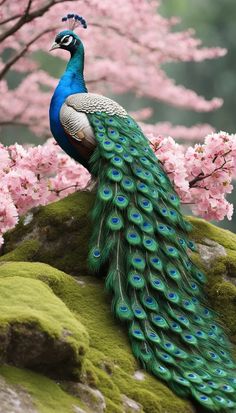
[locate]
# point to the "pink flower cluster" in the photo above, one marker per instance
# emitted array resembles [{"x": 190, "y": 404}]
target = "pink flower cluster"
[
  {"x": 202, "y": 174},
  {"x": 35, "y": 176},
  {"x": 130, "y": 32}
]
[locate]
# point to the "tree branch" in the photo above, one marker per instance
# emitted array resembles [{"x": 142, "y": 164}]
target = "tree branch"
[
  {"x": 201, "y": 175},
  {"x": 27, "y": 17},
  {"x": 58, "y": 191},
  {"x": 91, "y": 81},
  {"x": 22, "y": 52},
  {"x": 14, "y": 123},
  {"x": 16, "y": 16},
  {"x": 28, "y": 7}
]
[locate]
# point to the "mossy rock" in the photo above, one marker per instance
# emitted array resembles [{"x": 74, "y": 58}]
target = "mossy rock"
[
  {"x": 34, "y": 393},
  {"x": 56, "y": 234},
  {"x": 217, "y": 257},
  {"x": 109, "y": 365},
  {"x": 37, "y": 329}
]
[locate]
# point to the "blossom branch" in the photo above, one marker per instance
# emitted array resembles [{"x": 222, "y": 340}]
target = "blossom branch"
[
  {"x": 28, "y": 17},
  {"x": 201, "y": 176},
  {"x": 16, "y": 16},
  {"x": 98, "y": 80},
  {"x": 22, "y": 52},
  {"x": 58, "y": 191}
]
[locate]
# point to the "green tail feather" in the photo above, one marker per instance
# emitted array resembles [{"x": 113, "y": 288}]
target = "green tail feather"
[{"x": 141, "y": 234}]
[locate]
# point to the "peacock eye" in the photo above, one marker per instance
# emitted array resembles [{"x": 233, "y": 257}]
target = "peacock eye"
[{"x": 66, "y": 40}]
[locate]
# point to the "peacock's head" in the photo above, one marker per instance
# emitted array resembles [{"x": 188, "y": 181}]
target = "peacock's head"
[{"x": 67, "y": 39}]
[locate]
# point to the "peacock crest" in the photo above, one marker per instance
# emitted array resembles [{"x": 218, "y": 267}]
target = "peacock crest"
[{"x": 74, "y": 20}]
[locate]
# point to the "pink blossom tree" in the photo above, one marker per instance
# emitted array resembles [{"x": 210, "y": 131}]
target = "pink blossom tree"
[
  {"x": 130, "y": 34},
  {"x": 127, "y": 33}
]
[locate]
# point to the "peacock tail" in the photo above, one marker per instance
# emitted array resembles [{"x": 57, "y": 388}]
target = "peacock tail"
[
  {"x": 141, "y": 236},
  {"x": 140, "y": 233}
]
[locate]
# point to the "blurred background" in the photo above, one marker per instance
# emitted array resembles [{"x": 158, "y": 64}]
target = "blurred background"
[{"x": 214, "y": 23}]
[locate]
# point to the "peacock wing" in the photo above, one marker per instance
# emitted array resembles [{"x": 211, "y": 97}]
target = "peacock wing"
[
  {"x": 73, "y": 117},
  {"x": 78, "y": 130}
]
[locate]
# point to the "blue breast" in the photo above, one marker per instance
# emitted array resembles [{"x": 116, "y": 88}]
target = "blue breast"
[{"x": 67, "y": 86}]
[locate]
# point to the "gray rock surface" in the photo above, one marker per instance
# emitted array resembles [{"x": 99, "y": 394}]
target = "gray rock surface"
[
  {"x": 139, "y": 375},
  {"x": 210, "y": 251},
  {"x": 92, "y": 398},
  {"x": 14, "y": 399},
  {"x": 131, "y": 406}
]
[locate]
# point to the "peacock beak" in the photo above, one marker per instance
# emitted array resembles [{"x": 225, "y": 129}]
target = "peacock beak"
[{"x": 54, "y": 46}]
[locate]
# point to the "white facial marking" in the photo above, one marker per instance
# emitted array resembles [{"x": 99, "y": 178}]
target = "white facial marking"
[{"x": 66, "y": 40}]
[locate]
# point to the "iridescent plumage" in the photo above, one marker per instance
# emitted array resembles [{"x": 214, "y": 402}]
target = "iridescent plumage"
[{"x": 142, "y": 237}]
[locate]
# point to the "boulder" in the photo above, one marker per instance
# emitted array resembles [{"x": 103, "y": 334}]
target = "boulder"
[
  {"x": 217, "y": 257},
  {"x": 58, "y": 298},
  {"x": 56, "y": 234},
  {"x": 37, "y": 330}
]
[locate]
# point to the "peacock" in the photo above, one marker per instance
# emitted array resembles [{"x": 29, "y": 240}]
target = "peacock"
[{"x": 141, "y": 237}]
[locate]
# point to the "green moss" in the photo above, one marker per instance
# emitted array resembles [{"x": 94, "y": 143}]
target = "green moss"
[
  {"x": 92, "y": 304},
  {"x": 150, "y": 393},
  {"x": 224, "y": 295},
  {"x": 108, "y": 387},
  {"x": 72, "y": 207},
  {"x": 111, "y": 407},
  {"x": 203, "y": 229},
  {"x": 51, "y": 276},
  {"x": 88, "y": 374},
  {"x": 28, "y": 308},
  {"x": 47, "y": 395},
  {"x": 221, "y": 292},
  {"x": 26, "y": 251},
  {"x": 58, "y": 235},
  {"x": 150, "y": 402}
]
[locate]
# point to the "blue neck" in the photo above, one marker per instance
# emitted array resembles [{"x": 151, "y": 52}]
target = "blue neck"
[
  {"x": 72, "y": 80},
  {"x": 70, "y": 83}
]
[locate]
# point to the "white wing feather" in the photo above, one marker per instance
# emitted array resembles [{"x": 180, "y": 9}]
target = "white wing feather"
[{"x": 73, "y": 114}]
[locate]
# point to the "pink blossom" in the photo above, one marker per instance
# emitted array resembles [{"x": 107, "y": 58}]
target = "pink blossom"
[
  {"x": 202, "y": 174},
  {"x": 150, "y": 41},
  {"x": 35, "y": 176},
  {"x": 30, "y": 176}
]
